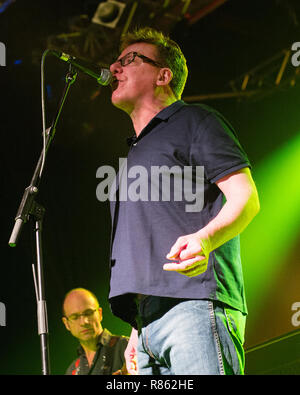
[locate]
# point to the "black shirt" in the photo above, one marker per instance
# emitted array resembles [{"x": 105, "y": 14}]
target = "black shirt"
[
  {"x": 147, "y": 219},
  {"x": 108, "y": 359}
]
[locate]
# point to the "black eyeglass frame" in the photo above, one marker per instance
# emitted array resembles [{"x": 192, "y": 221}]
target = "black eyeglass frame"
[
  {"x": 76, "y": 316},
  {"x": 134, "y": 55}
]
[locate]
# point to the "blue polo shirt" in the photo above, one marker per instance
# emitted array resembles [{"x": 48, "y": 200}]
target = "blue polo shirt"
[{"x": 151, "y": 211}]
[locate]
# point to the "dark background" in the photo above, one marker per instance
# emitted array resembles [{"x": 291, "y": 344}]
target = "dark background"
[{"x": 220, "y": 46}]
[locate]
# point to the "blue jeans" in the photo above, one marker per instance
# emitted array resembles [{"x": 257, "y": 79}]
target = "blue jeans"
[{"x": 189, "y": 337}]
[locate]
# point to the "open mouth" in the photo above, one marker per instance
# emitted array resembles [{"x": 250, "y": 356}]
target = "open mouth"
[{"x": 114, "y": 83}]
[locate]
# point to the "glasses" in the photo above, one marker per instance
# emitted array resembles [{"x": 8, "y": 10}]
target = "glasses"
[
  {"x": 130, "y": 56},
  {"x": 86, "y": 314}
]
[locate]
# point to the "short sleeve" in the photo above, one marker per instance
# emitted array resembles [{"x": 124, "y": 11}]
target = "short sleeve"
[{"x": 216, "y": 147}]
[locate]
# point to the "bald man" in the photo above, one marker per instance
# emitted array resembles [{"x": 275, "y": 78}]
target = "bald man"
[{"x": 100, "y": 352}]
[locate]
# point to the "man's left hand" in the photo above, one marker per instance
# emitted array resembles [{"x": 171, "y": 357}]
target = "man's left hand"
[{"x": 191, "y": 253}]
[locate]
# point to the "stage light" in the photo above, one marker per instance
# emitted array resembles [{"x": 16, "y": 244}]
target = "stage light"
[
  {"x": 266, "y": 242},
  {"x": 109, "y": 13},
  {"x": 5, "y": 4}
]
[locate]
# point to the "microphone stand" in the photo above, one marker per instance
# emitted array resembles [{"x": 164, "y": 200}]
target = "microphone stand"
[{"x": 30, "y": 208}]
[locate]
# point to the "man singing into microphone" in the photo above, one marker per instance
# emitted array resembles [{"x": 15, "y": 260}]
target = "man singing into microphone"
[{"x": 176, "y": 273}]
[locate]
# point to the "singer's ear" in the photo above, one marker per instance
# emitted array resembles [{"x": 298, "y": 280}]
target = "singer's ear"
[
  {"x": 65, "y": 321},
  {"x": 164, "y": 77}
]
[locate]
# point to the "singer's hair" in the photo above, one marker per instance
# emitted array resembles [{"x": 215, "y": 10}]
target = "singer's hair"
[{"x": 169, "y": 54}]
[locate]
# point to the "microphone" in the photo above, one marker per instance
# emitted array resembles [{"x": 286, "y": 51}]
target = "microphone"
[{"x": 103, "y": 76}]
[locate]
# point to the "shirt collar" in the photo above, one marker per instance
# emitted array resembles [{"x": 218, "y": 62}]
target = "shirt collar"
[
  {"x": 103, "y": 339},
  {"x": 163, "y": 115},
  {"x": 167, "y": 112}
]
